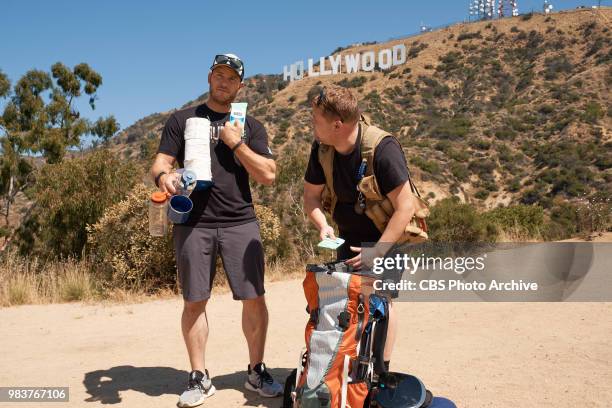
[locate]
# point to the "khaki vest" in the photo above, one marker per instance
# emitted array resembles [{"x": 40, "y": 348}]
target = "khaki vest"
[{"x": 378, "y": 207}]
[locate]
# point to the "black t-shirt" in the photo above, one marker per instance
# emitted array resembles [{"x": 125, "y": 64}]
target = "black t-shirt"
[
  {"x": 390, "y": 169},
  {"x": 228, "y": 202}
]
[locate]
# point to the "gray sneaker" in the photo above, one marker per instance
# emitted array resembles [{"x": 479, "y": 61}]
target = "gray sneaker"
[
  {"x": 199, "y": 388},
  {"x": 259, "y": 380}
]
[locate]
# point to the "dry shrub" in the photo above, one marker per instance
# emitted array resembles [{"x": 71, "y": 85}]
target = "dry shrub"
[
  {"x": 75, "y": 284},
  {"x": 28, "y": 280},
  {"x": 126, "y": 255},
  {"x": 269, "y": 227}
]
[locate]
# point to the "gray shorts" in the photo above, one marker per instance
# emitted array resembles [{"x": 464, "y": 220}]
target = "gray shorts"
[{"x": 241, "y": 252}]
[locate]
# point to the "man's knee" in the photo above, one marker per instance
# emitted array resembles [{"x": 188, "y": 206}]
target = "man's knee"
[
  {"x": 195, "y": 307},
  {"x": 257, "y": 304}
]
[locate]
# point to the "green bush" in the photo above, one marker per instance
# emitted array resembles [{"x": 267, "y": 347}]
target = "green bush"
[
  {"x": 482, "y": 194},
  {"x": 525, "y": 79},
  {"x": 148, "y": 149},
  {"x": 564, "y": 222},
  {"x": 531, "y": 196},
  {"x": 504, "y": 153},
  {"x": 426, "y": 165},
  {"x": 592, "y": 112},
  {"x": 373, "y": 97},
  {"x": 604, "y": 161},
  {"x": 452, "y": 129},
  {"x": 284, "y": 114},
  {"x": 279, "y": 138},
  {"x": 69, "y": 196},
  {"x": 505, "y": 134},
  {"x": 546, "y": 109},
  {"x": 459, "y": 155},
  {"x": 490, "y": 185},
  {"x": 574, "y": 183},
  {"x": 480, "y": 144},
  {"x": 514, "y": 185},
  {"x": 433, "y": 88},
  {"x": 451, "y": 221},
  {"x": 526, "y": 220},
  {"x": 414, "y": 51},
  {"x": 482, "y": 167},
  {"x": 443, "y": 146},
  {"x": 459, "y": 171},
  {"x": 468, "y": 36},
  {"x": 353, "y": 82},
  {"x": 284, "y": 125},
  {"x": 450, "y": 62},
  {"x": 556, "y": 65}
]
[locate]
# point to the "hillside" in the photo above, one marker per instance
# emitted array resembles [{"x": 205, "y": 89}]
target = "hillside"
[{"x": 494, "y": 112}]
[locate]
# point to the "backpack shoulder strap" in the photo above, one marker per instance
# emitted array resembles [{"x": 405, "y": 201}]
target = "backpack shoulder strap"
[
  {"x": 370, "y": 138},
  {"x": 326, "y": 159}
]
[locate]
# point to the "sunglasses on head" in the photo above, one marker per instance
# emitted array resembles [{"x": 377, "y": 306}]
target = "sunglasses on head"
[
  {"x": 326, "y": 106},
  {"x": 227, "y": 60}
]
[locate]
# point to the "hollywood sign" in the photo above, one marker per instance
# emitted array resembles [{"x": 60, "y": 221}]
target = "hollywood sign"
[{"x": 348, "y": 63}]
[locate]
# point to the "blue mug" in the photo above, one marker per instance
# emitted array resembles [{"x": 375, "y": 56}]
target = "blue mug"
[{"x": 179, "y": 208}]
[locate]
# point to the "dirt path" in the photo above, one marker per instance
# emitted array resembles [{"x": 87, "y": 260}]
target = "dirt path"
[{"x": 476, "y": 354}]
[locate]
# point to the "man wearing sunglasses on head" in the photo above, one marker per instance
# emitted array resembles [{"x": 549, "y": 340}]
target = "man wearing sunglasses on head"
[
  {"x": 222, "y": 221},
  {"x": 336, "y": 153}
]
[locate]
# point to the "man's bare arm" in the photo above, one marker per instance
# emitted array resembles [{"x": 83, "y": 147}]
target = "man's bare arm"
[
  {"x": 262, "y": 169},
  {"x": 404, "y": 204},
  {"x": 164, "y": 162},
  {"x": 314, "y": 211}
]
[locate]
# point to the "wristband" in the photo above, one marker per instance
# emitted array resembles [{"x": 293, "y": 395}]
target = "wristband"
[
  {"x": 158, "y": 177},
  {"x": 237, "y": 145}
]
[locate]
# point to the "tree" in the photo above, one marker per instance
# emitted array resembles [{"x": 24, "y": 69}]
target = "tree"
[
  {"x": 74, "y": 194},
  {"x": 40, "y": 120},
  {"x": 14, "y": 168}
]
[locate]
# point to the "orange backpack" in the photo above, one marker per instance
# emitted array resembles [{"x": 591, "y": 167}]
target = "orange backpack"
[{"x": 331, "y": 373}]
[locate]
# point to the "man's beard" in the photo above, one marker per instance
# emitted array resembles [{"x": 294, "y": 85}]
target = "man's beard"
[{"x": 222, "y": 98}]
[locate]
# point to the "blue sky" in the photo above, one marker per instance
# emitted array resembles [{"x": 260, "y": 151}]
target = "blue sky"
[{"x": 154, "y": 55}]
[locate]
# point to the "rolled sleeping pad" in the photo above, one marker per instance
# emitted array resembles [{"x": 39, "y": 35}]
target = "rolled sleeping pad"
[{"x": 197, "y": 151}]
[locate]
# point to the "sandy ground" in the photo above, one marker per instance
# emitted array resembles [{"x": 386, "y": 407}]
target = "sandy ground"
[{"x": 475, "y": 354}]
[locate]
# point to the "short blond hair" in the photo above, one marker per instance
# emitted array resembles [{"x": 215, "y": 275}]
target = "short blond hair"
[{"x": 338, "y": 101}]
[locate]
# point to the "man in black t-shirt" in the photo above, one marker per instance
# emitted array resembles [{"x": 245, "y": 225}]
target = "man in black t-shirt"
[
  {"x": 222, "y": 221},
  {"x": 335, "y": 121}
]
